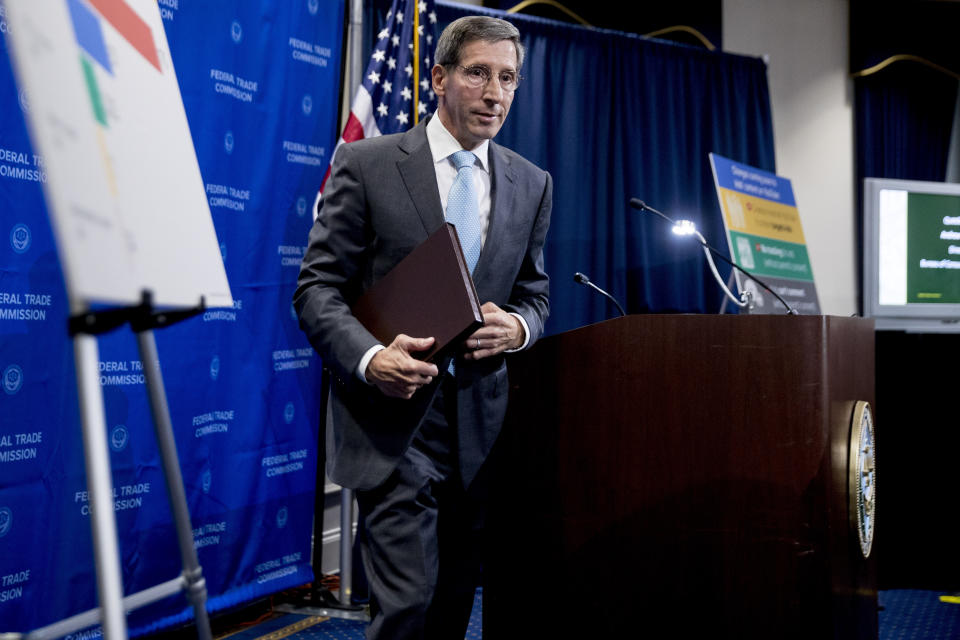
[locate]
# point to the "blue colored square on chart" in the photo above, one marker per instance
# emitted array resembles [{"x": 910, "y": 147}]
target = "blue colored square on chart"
[{"x": 89, "y": 32}]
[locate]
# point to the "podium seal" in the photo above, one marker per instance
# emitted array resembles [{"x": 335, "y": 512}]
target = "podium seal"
[{"x": 862, "y": 487}]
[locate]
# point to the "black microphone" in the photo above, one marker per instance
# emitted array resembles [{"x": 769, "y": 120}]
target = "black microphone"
[
  {"x": 640, "y": 205},
  {"x": 579, "y": 278}
]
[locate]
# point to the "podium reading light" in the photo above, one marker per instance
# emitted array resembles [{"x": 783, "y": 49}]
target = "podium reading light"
[
  {"x": 684, "y": 228},
  {"x": 687, "y": 228}
]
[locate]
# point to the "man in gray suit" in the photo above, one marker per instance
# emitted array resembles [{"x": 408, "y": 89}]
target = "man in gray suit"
[{"x": 410, "y": 436}]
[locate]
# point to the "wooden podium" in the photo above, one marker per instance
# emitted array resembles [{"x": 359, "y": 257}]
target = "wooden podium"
[{"x": 682, "y": 476}]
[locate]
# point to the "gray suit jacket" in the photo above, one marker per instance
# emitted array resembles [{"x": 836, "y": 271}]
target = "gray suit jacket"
[{"x": 381, "y": 201}]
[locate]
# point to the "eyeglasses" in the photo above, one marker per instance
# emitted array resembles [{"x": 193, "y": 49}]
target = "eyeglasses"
[{"x": 478, "y": 76}]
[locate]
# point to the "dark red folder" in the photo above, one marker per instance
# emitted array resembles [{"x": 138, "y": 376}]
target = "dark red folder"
[{"x": 429, "y": 293}]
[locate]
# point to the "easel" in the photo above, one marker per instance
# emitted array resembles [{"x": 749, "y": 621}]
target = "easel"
[{"x": 84, "y": 327}]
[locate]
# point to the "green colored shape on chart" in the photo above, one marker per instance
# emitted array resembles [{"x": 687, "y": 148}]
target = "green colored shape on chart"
[
  {"x": 769, "y": 257},
  {"x": 94, "y": 91}
]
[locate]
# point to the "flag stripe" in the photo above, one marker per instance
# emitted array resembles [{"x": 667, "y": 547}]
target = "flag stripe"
[{"x": 353, "y": 130}]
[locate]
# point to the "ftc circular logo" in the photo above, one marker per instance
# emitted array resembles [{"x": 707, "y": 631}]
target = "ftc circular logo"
[
  {"x": 307, "y": 104},
  {"x": 228, "y": 142},
  {"x": 6, "y": 521},
  {"x": 24, "y": 102},
  {"x": 236, "y": 32},
  {"x": 215, "y": 368},
  {"x": 282, "y": 518},
  {"x": 119, "y": 438},
  {"x": 20, "y": 238},
  {"x": 301, "y": 206},
  {"x": 313, "y": 6},
  {"x": 206, "y": 480},
  {"x": 12, "y": 379},
  {"x": 288, "y": 412}
]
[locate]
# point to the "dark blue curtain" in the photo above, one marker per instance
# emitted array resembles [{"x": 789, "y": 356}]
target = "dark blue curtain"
[
  {"x": 612, "y": 116},
  {"x": 904, "y": 119}
]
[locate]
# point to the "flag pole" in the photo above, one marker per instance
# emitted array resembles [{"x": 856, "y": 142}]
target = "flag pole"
[{"x": 416, "y": 62}]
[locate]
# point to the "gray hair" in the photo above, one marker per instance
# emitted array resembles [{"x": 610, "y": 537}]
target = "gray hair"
[{"x": 463, "y": 31}]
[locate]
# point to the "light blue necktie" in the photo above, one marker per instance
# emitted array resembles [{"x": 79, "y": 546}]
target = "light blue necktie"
[{"x": 463, "y": 211}]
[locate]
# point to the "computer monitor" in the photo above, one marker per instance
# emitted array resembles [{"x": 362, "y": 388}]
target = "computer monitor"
[{"x": 911, "y": 255}]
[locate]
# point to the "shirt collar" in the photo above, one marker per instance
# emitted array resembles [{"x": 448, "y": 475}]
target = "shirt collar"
[{"x": 443, "y": 144}]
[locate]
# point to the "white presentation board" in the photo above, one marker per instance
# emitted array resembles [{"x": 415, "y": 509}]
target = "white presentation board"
[{"x": 123, "y": 187}]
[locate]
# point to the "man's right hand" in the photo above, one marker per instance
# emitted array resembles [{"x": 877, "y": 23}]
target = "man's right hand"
[{"x": 397, "y": 373}]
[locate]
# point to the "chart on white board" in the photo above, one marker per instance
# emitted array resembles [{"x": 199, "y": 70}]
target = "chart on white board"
[{"x": 123, "y": 185}]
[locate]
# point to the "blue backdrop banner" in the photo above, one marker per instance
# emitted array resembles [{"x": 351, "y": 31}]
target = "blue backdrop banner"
[{"x": 260, "y": 82}]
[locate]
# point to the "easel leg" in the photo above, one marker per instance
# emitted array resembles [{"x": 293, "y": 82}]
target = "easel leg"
[
  {"x": 106, "y": 551},
  {"x": 196, "y": 590}
]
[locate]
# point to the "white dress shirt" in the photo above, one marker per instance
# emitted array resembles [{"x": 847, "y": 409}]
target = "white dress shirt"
[{"x": 442, "y": 146}]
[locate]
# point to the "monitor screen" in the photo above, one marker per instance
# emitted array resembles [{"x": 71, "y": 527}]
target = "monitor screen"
[{"x": 911, "y": 254}]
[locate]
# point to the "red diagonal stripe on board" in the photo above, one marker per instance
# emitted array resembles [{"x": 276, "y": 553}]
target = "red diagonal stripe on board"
[{"x": 131, "y": 27}]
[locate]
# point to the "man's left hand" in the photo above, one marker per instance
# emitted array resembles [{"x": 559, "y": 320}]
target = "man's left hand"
[{"x": 500, "y": 331}]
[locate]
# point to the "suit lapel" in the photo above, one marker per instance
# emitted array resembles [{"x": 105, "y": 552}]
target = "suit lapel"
[
  {"x": 420, "y": 178},
  {"x": 502, "y": 179}
]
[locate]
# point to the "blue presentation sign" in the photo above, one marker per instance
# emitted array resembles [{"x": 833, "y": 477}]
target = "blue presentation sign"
[
  {"x": 260, "y": 83},
  {"x": 750, "y": 181},
  {"x": 765, "y": 236}
]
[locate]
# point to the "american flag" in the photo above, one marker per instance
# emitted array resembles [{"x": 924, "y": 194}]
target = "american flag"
[{"x": 384, "y": 102}]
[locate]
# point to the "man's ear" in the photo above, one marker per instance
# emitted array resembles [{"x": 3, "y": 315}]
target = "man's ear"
[{"x": 439, "y": 77}]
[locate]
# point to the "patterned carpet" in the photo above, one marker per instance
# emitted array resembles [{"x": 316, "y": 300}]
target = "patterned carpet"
[
  {"x": 904, "y": 615},
  {"x": 917, "y": 615},
  {"x": 301, "y": 627}
]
